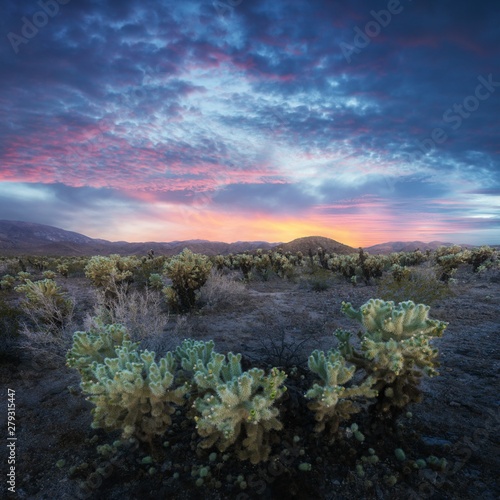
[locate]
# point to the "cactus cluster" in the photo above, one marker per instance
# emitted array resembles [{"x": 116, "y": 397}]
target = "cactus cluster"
[
  {"x": 233, "y": 407},
  {"x": 130, "y": 390},
  {"x": 395, "y": 348},
  {"x": 333, "y": 400},
  {"x": 394, "y": 354},
  {"x": 106, "y": 273},
  {"x": 188, "y": 272}
]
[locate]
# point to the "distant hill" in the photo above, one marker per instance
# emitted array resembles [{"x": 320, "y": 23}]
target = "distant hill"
[
  {"x": 17, "y": 238},
  {"x": 408, "y": 246},
  {"x": 313, "y": 243}
]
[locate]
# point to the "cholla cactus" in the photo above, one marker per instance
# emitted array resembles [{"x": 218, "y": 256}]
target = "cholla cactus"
[
  {"x": 233, "y": 407},
  {"x": 188, "y": 272},
  {"x": 155, "y": 281},
  {"x": 133, "y": 393},
  {"x": 282, "y": 266},
  {"x": 384, "y": 321},
  {"x": 479, "y": 256},
  {"x": 245, "y": 262},
  {"x": 94, "y": 346},
  {"x": 23, "y": 276},
  {"x": 7, "y": 282},
  {"x": 262, "y": 263},
  {"x": 333, "y": 401},
  {"x": 395, "y": 348},
  {"x": 194, "y": 355},
  {"x": 241, "y": 412},
  {"x": 400, "y": 273},
  {"x": 108, "y": 272}
]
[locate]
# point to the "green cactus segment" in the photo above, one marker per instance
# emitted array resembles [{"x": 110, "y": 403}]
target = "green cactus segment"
[
  {"x": 333, "y": 402},
  {"x": 95, "y": 346},
  {"x": 395, "y": 348},
  {"x": 194, "y": 354},
  {"x": 233, "y": 407}
]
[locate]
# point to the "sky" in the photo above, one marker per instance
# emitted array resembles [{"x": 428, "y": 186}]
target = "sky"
[{"x": 263, "y": 120}]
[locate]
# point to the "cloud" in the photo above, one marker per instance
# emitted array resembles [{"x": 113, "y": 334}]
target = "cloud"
[{"x": 255, "y": 110}]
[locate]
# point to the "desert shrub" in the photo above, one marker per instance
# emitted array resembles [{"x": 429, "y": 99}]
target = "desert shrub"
[
  {"x": 63, "y": 270},
  {"x": 319, "y": 279},
  {"x": 76, "y": 266},
  {"x": 188, "y": 272},
  {"x": 46, "y": 305},
  {"x": 245, "y": 263},
  {"x": 10, "y": 266},
  {"x": 142, "y": 312},
  {"x": 263, "y": 265},
  {"x": 222, "y": 291},
  {"x": 400, "y": 273},
  {"x": 417, "y": 284},
  {"x": 147, "y": 267},
  {"x": 284, "y": 339},
  {"x": 411, "y": 258}
]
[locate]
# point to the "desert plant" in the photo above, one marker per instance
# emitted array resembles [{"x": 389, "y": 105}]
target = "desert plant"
[
  {"x": 234, "y": 408},
  {"x": 23, "y": 276},
  {"x": 95, "y": 345},
  {"x": 155, "y": 281},
  {"x": 188, "y": 272},
  {"x": 7, "y": 282},
  {"x": 418, "y": 284},
  {"x": 222, "y": 291},
  {"x": 130, "y": 390},
  {"x": 479, "y": 256},
  {"x": 46, "y": 305},
  {"x": 395, "y": 350},
  {"x": 141, "y": 311},
  {"x": 284, "y": 340},
  {"x": 107, "y": 273},
  {"x": 245, "y": 263},
  {"x": 333, "y": 401}
]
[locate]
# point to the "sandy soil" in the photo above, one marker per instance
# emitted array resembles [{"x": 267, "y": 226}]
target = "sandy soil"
[{"x": 279, "y": 323}]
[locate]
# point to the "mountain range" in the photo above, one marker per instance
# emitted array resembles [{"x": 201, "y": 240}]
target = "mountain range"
[{"x": 18, "y": 238}]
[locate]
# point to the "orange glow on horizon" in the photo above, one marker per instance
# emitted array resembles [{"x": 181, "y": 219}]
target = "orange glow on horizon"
[{"x": 190, "y": 224}]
